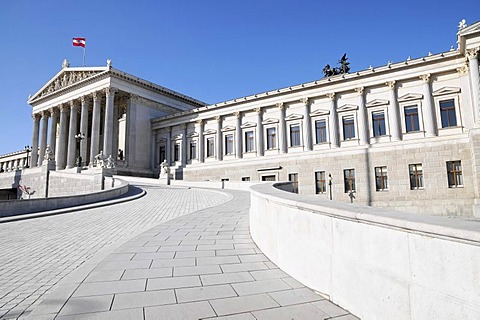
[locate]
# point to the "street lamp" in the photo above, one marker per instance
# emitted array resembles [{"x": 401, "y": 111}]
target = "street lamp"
[
  {"x": 28, "y": 149},
  {"x": 330, "y": 184},
  {"x": 79, "y": 138}
]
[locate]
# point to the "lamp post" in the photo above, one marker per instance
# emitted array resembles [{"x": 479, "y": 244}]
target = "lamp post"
[
  {"x": 80, "y": 136},
  {"x": 28, "y": 149},
  {"x": 330, "y": 184}
]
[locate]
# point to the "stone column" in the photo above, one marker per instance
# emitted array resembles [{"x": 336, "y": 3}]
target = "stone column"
[
  {"x": 333, "y": 121},
  {"x": 219, "y": 151},
  {"x": 53, "y": 129},
  {"x": 84, "y": 128},
  {"x": 43, "y": 137},
  {"x": 168, "y": 146},
  {"x": 472, "y": 55},
  {"x": 238, "y": 135},
  {"x": 201, "y": 141},
  {"x": 393, "y": 115},
  {"x": 116, "y": 112},
  {"x": 362, "y": 117},
  {"x": 184, "y": 145},
  {"x": 282, "y": 141},
  {"x": 307, "y": 125},
  {"x": 36, "y": 127},
  {"x": 108, "y": 127},
  {"x": 259, "y": 147},
  {"x": 95, "y": 135},
  {"x": 72, "y": 131},
  {"x": 62, "y": 138},
  {"x": 428, "y": 111}
]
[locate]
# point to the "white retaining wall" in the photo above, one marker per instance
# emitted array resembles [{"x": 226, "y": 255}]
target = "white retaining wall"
[{"x": 376, "y": 263}]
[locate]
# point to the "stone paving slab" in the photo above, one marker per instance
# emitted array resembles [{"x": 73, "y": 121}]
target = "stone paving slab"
[{"x": 207, "y": 273}]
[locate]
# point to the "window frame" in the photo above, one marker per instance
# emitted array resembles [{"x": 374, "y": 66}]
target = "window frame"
[
  {"x": 293, "y": 177},
  {"x": 352, "y": 124},
  {"x": 419, "y": 182},
  {"x": 209, "y": 150},
  {"x": 249, "y": 143},
  {"x": 298, "y": 134},
  {"x": 381, "y": 178},
  {"x": 404, "y": 117},
  {"x": 325, "y": 121},
  {"x": 349, "y": 181},
  {"x": 193, "y": 143},
  {"x": 275, "y": 139},
  {"x": 320, "y": 184},
  {"x": 229, "y": 144},
  {"x": 447, "y": 94},
  {"x": 455, "y": 175}
]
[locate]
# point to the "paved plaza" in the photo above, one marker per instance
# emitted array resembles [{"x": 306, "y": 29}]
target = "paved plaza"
[{"x": 176, "y": 253}]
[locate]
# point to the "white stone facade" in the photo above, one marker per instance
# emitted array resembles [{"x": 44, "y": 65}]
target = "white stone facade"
[{"x": 404, "y": 135}]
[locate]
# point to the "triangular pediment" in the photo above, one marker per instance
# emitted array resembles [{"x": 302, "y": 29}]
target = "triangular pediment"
[
  {"x": 446, "y": 90},
  {"x": 347, "y": 107},
  {"x": 210, "y": 131},
  {"x": 410, "y": 97},
  {"x": 293, "y": 117},
  {"x": 377, "y": 102},
  {"x": 248, "y": 125},
  {"x": 177, "y": 137},
  {"x": 65, "y": 78},
  {"x": 192, "y": 134},
  {"x": 474, "y": 28},
  {"x": 269, "y": 121},
  {"x": 319, "y": 112},
  {"x": 228, "y": 128}
]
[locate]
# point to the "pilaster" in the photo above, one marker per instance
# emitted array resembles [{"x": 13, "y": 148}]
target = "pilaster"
[
  {"x": 260, "y": 149},
  {"x": 362, "y": 117},
  {"x": 201, "y": 140},
  {"x": 307, "y": 124},
  {"x": 428, "y": 112},
  {"x": 219, "y": 151},
  {"x": 333, "y": 119},
  {"x": 168, "y": 147},
  {"x": 184, "y": 144},
  {"x": 393, "y": 114},
  {"x": 472, "y": 56},
  {"x": 282, "y": 128},
  {"x": 238, "y": 135}
]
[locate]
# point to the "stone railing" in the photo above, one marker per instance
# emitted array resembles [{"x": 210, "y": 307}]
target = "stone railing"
[
  {"x": 378, "y": 264},
  {"x": 115, "y": 188}
]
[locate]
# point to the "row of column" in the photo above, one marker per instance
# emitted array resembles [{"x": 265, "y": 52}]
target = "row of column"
[
  {"x": 394, "y": 122},
  {"x": 66, "y": 151}
]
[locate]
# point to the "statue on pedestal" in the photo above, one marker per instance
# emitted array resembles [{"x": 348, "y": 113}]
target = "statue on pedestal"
[
  {"x": 99, "y": 160},
  {"x": 164, "y": 168},
  {"x": 109, "y": 163},
  {"x": 48, "y": 154}
]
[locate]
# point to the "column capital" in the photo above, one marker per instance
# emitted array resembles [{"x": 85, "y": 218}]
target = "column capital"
[
  {"x": 73, "y": 104},
  {"x": 218, "y": 118},
  {"x": 83, "y": 100},
  {"x": 63, "y": 107},
  {"x": 258, "y": 110},
  {"x": 183, "y": 126},
  {"x": 169, "y": 129},
  {"x": 331, "y": 95},
  {"x": 425, "y": 77},
  {"x": 110, "y": 91},
  {"x": 280, "y": 105},
  {"x": 200, "y": 121},
  {"x": 134, "y": 97},
  {"x": 463, "y": 69},
  {"x": 237, "y": 114},
  {"x": 390, "y": 84},
  {"x": 45, "y": 114},
  {"x": 95, "y": 96},
  {"x": 472, "y": 53},
  {"x": 305, "y": 100},
  {"x": 360, "y": 90},
  {"x": 36, "y": 117}
]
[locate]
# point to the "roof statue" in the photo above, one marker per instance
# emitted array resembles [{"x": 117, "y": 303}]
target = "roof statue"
[
  {"x": 344, "y": 67},
  {"x": 65, "y": 64},
  {"x": 462, "y": 24},
  {"x": 109, "y": 63}
]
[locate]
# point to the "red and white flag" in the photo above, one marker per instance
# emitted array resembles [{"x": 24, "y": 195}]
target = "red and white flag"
[{"x": 79, "y": 42}]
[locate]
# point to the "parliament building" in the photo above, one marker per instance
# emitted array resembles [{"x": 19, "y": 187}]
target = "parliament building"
[{"x": 405, "y": 135}]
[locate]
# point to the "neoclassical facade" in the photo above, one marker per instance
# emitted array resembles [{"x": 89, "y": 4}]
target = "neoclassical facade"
[{"x": 405, "y": 135}]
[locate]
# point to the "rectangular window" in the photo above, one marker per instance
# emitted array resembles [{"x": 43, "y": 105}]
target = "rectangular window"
[
  {"x": 293, "y": 177},
  {"x": 411, "y": 119},
  {"x": 210, "y": 147},
  {"x": 320, "y": 185},
  {"x": 447, "y": 113},
  {"x": 381, "y": 180},
  {"x": 454, "y": 172},
  {"x": 271, "y": 138},
  {"x": 349, "y": 180},
  {"x": 249, "y": 141},
  {"x": 176, "y": 152},
  {"x": 294, "y": 135},
  {"x": 193, "y": 149},
  {"x": 245, "y": 178},
  {"x": 416, "y": 176},
  {"x": 163, "y": 154},
  {"x": 348, "y": 128},
  {"x": 321, "y": 131},
  {"x": 229, "y": 144},
  {"x": 269, "y": 178},
  {"x": 378, "y": 120}
]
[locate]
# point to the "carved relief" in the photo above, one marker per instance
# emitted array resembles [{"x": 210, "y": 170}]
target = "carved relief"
[
  {"x": 66, "y": 79},
  {"x": 425, "y": 77},
  {"x": 331, "y": 95},
  {"x": 390, "y": 84},
  {"x": 359, "y": 90},
  {"x": 463, "y": 69},
  {"x": 472, "y": 53}
]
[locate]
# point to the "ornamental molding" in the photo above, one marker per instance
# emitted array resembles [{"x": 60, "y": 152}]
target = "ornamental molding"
[
  {"x": 320, "y": 112},
  {"x": 237, "y": 114},
  {"x": 463, "y": 69},
  {"x": 410, "y": 97},
  {"x": 269, "y": 121},
  {"x": 377, "y": 102},
  {"x": 390, "y": 84},
  {"x": 425, "y": 77},
  {"x": 228, "y": 128},
  {"x": 248, "y": 125},
  {"x": 446, "y": 91},
  {"x": 305, "y": 101},
  {"x": 258, "y": 110},
  {"x": 347, "y": 107},
  {"x": 331, "y": 95},
  {"x": 472, "y": 53},
  {"x": 210, "y": 131},
  {"x": 280, "y": 105},
  {"x": 360, "y": 90},
  {"x": 294, "y": 117},
  {"x": 200, "y": 121}
]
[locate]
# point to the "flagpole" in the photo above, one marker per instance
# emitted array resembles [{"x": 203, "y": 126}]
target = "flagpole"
[{"x": 84, "y": 56}]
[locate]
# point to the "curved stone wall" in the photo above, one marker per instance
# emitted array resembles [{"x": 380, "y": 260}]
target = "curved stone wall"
[
  {"x": 376, "y": 263},
  {"x": 116, "y": 187}
]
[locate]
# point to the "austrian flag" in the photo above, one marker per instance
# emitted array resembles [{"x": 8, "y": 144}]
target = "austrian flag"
[{"x": 79, "y": 42}]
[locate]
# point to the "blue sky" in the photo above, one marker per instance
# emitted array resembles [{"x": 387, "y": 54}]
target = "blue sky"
[{"x": 210, "y": 50}]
